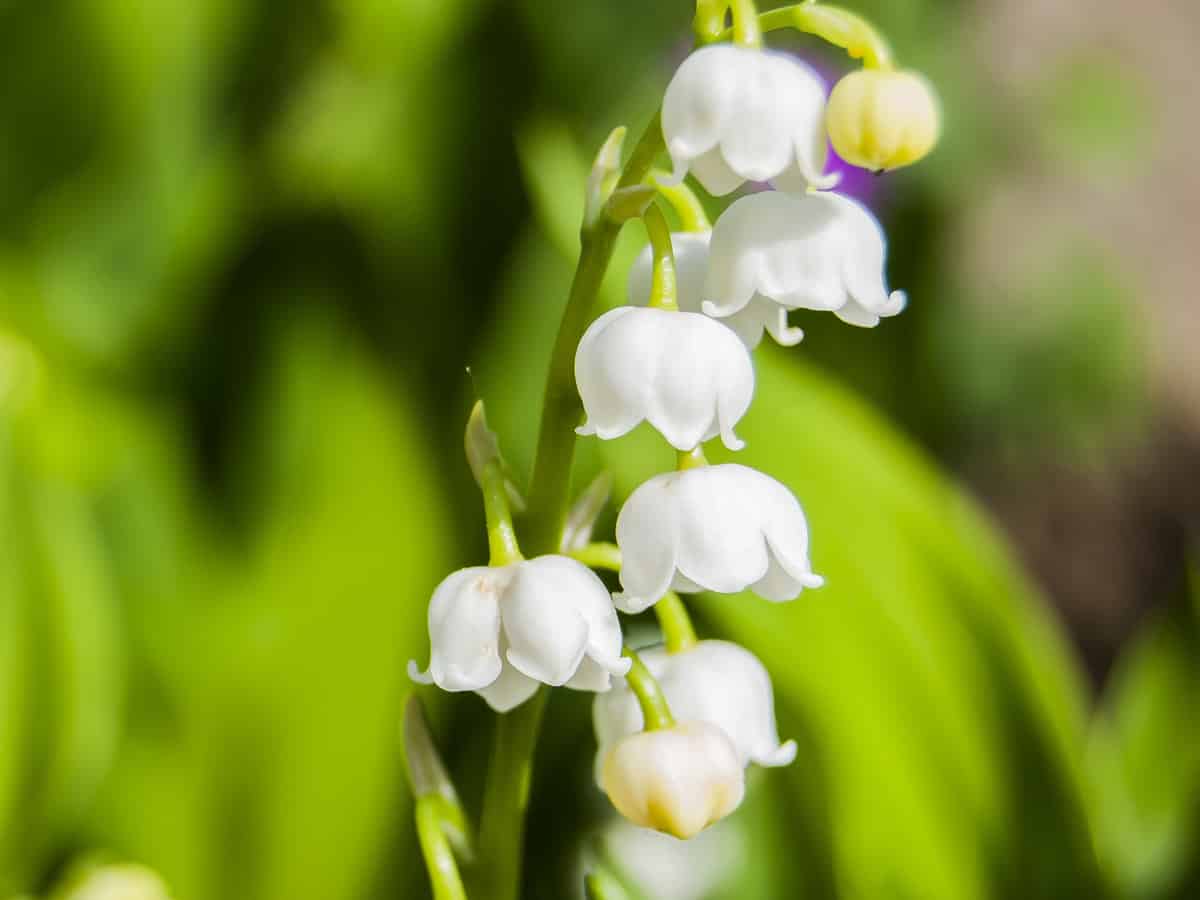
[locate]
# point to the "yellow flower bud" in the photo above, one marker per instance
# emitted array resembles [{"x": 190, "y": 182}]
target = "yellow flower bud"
[
  {"x": 678, "y": 780},
  {"x": 883, "y": 119}
]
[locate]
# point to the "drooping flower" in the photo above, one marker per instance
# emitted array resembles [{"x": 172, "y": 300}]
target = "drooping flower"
[
  {"x": 688, "y": 376},
  {"x": 717, "y": 682},
  {"x": 735, "y": 114},
  {"x": 665, "y": 868},
  {"x": 883, "y": 118},
  {"x": 678, "y": 780},
  {"x": 691, "y": 269},
  {"x": 500, "y": 631},
  {"x": 800, "y": 251},
  {"x": 720, "y": 528},
  {"x": 124, "y": 881}
]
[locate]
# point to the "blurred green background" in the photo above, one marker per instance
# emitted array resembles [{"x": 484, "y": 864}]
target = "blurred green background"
[{"x": 247, "y": 250}]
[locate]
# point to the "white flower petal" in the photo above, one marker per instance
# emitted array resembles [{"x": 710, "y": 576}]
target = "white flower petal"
[
  {"x": 758, "y": 143},
  {"x": 546, "y": 633},
  {"x": 732, "y": 114},
  {"x": 590, "y": 676},
  {"x": 698, "y": 103},
  {"x": 721, "y": 545},
  {"x": 816, "y": 251},
  {"x": 686, "y": 375},
  {"x": 464, "y": 628},
  {"x": 715, "y": 174},
  {"x": 647, "y": 533},
  {"x": 720, "y": 528},
  {"x": 614, "y": 395},
  {"x": 499, "y": 631},
  {"x": 508, "y": 691}
]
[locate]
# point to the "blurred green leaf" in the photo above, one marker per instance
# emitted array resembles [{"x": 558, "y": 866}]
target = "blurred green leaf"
[
  {"x": 1093, "y": 111},
  {"x": 1059, "y": 359},
  {"x": 289, "y": 711},
  {"x": 1145, "y": 759},
  {"x": 62, "y": 678}
]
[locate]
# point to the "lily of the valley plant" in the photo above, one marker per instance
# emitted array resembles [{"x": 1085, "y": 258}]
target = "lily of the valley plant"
[{"x": 676, "y": 725}]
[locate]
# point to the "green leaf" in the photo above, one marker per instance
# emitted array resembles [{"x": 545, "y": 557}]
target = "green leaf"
[
  {"x": 1145, "y": 759},
  {"x": 62, "y": 684},
  {"x": 276, "y": 771}
]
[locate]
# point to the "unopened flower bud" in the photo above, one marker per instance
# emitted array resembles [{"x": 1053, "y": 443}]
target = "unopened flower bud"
[
  {"x": 677, "y": 780},
  {"x": 883, "y": 119},
  {"x": 118, "y": 882}
]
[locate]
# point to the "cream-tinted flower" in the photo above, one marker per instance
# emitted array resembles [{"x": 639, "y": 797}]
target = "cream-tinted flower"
[
  {"x": 720, "y": 528},
  {"x": 688, "y": 376},
  {"x": 817, "y": 251},
  {"x": 668, "y": 869},
  {"x": 117, "y": 882},
  {"x": 883, "y": 118},
  {"x": 691, "y": 269},
  {"x": 735, "y": 114},
  {"x": 678, "y": 780},
  {"x": 717, "y": 682},
  {"x": 500, "y": 631}
]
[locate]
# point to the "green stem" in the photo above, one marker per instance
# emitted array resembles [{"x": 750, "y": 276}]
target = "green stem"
[
  {"x": 746, "y": 31},
  {"x": 663, "y": 290},
  {"x": 433, "y": 817},
  {"x": 502, "y": 537},
  {"x": 506, "y": 795},
  {"x": 600, "y": 555},
  {"x": 600, "y": 884},
  {"x": 505, "y": 799},
  {"x": 655, "y": 711},
  {"x": 690, "y": 459},
  {"x": 709, "y": 21},
  {"x": 683, "y": 200},
  {"x": 676, "y": 624},
  {"x": 838, "y": 26},
  {"x": 547, "y": 508}
]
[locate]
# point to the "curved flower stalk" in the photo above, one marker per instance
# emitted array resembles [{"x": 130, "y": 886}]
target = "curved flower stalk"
[
  {"x": 500, "y": 631},
  {"x": 736, "y": 114},
  {"x": 817, "y": 251},
  {"x": 712, "y": 681},
  {"x": 685, "y": 374},
  {"x": 691, "y": 270},
  {"x": 720, "y": 528}
]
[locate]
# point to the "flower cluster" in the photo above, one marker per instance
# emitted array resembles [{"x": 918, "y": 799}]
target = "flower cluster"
[{"x": 677, "y": 725}]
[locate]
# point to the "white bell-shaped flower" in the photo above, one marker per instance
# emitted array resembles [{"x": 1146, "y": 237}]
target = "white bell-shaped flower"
[
  {"x": 678, "y": 780},
  {"x": 720, "y": 528},
  {"x": 735, "y": 114},
  {"x": 817, "y": 251},
  {"x": 717, "y": 682},
  {"x": 691, "y": 270},
  {"x": 688, "y": 376},
  {"x": 500, "y": 631}
]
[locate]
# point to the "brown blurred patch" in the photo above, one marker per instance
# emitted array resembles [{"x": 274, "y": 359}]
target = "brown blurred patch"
[{"x": 1109, "y": 541}]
